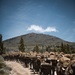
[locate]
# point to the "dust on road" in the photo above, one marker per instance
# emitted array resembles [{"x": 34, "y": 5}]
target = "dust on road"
[{"x": 18, "y": 69}]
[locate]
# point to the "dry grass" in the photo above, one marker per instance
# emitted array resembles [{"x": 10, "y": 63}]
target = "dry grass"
[{"x": 18, "y": 69}]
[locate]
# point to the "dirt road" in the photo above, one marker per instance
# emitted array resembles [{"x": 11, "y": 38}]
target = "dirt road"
[{"x": 18, "y": 69}]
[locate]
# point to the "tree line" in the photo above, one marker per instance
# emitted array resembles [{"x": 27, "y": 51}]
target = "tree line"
[
  {"x": 66, "y": 48},
  {"x": 2, "y": 49}
]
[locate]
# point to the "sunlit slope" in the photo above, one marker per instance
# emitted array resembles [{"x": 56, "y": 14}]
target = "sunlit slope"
[{"x": 33, "y": 39}]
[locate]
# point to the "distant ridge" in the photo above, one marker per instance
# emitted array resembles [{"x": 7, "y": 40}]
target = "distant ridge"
[{"x": 33, "y": 39}]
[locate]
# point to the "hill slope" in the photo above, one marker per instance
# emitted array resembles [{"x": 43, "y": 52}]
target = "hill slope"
[{"x": 32, "y": 39}]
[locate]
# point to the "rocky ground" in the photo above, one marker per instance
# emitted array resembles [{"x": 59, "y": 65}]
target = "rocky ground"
[{"x": 18, "y": 69}]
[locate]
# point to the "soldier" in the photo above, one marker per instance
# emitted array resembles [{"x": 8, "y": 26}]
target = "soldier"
[
  {"x": 54, "y": 66},
  {"x": 63, "y": 65},
  {"x": 71, "y": 68},
  {"x": 45, "y": 69}
]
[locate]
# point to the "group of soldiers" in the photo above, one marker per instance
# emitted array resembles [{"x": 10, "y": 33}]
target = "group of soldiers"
[{"x": 46, "y": 63}]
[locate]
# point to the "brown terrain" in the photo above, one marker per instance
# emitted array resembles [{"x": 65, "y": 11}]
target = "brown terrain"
[{"x": 32, "y": 39}]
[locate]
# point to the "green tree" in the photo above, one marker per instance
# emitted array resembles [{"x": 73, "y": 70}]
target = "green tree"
[
  {"x": 62, "y": 47},
  {"x": 21, "y": 46},
  {"x": 72, "y": 49},
  {"x": 54, "y": 50},
  {"x": 2, "y": 50},
  {"x": 66, "y": 48},
  {"x": 48, "y": 49},
  {"x": 36, "y": 49},
  {"x": 69, "y": 49}
]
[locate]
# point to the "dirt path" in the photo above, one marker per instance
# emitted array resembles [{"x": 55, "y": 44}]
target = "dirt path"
[{"x": 18, "y": 69}]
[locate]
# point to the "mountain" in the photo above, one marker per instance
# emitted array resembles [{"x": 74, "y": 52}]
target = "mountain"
[{"x": 33, "y": 39}]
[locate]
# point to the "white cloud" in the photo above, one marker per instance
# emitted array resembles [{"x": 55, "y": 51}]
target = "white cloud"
[{"x": 39, "y": 29}]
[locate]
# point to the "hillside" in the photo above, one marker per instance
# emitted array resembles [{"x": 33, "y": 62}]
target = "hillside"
[{"x": 33, "y": 39}]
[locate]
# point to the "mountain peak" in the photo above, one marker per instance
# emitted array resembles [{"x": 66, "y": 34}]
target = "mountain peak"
[{"x": 33, "y": 39}]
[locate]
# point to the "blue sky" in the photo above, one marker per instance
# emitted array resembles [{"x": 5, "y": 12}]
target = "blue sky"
[{"x": 53, "y": 17}]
